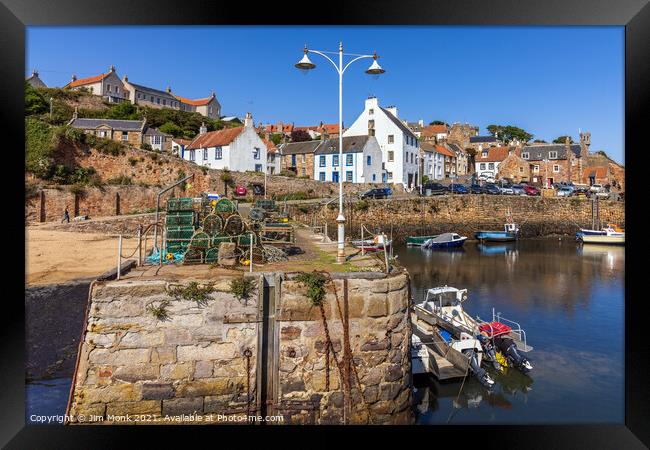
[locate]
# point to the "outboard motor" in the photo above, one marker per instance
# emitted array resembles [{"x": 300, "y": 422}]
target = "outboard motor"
[{"x": 481, "y": 375}]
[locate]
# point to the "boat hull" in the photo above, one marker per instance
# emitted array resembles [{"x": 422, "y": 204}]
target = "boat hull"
[
  {"x": 450, "y": 244},
  {"x": 495, "y": 236},
  {"x": 603, "y": 239},
  {"x": 417, "y": 241}
]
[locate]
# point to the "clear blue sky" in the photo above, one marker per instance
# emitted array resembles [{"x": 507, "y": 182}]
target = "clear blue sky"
[{"x": 550, "y": 81}]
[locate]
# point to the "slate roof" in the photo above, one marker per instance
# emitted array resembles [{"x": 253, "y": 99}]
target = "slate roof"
[
  {"x": 155, "y": 132},
  {"x": 481, "y": 139},
  {"x": 454, "y": 147},
  {"x": 540, "y": 152},
  {"x": 120, "y": 125},
  {"x": 158, "y": 92},
  {"x": 215, "y": 138},
  {"x": 351, "y": 144},
  {"x": 399, "y": 123},
  {"x": 298, "y": 148},
  {"x": 427, "y": 147}
]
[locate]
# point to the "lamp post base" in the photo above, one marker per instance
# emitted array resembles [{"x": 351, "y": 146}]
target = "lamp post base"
[{"x": 340, "y": 251}]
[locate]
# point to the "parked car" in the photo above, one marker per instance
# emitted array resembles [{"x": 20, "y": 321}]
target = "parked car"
[
  {"x": 388, "y": 191},
  {"x": 603, "y": 194},
  {"x": 531, "y": 190},
  {"x": 506, "y": 189},
  {"x": 458, "y": 189},
  {"x": 596, "y": 188},
  {"x": 476, "y": 189},
  {"x": 518, "y": 189},
  {"x": 564, "y": 191},
  {"x": 435, "y": 188},
  {"x": 492, "y": 189},
  {"x": 581, "y": 191},
  {"x": 374, "y": 193}
]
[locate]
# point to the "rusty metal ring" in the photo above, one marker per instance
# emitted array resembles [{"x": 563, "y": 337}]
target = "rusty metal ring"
[{"x": 248, "y": 353}]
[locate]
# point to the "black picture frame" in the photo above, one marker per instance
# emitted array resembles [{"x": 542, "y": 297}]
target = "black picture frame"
[{"x": 634, "y": 15}]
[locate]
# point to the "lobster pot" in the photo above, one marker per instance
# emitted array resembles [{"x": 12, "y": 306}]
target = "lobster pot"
[
  {"x": 180, "y": 204},
  {"x": 212, "y": 255},
  {"x": 178, "y": 238},
  {"x": 212, "y": 224},
  {"x": 224, "y": 206},
  {"x": 244, "y": 240},
  {"x": 200, "y": 240},
  {"x": 193, "y": 256},
  {"x": 216, "y": 240},
  {"x": 234, "y": 225},
  {"x": 179, "y": 219}
]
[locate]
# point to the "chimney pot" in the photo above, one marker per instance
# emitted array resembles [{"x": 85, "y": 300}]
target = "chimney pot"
[
  {"x": 111, "y": 68},
  {"x": 74, "y": 77}
]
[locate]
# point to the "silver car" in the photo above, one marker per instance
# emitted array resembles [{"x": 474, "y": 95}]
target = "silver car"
[
  {"x": 518, "y": 189},
  {"x": 564, "y": 191}
]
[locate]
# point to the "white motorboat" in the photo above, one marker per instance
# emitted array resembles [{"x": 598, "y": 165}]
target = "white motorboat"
[
  {"x": 611, "y": 234},
  {"x": 445, "y": 304},
  {"x": 378, "y": 243}
]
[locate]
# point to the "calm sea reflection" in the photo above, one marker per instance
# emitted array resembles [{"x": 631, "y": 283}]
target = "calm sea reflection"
[{"x": 569, "y": 299}]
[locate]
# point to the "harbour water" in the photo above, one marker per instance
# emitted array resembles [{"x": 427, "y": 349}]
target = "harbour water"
[{"x": 568, "y": 298}]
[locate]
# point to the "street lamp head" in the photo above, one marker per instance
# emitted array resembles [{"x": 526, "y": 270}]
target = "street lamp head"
[
  {"x": 375, "y": 68},
  {"x": 305, "y": 64}
]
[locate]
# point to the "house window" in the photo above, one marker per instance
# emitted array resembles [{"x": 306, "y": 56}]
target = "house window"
[
  {"x": 348, "y": 175},
  {"x": 164, "y": 102},
  {"x": 108, "y": 88},
  {"x": 525, "y": 155},
  {"x": 258, "y": 167},
  {"x": 304, "y": 171},
  {"x": 491, "y": 166},
  {"x": 390, "y": 175},
  {"x": 536, "y": 168},
  {"x": 349, "y": 159},
  {"x": 521, "y": 169},
  {"x": 321, "y": 176},
  {"x": 139, "y": 95},
  {"x": 256, "y": 153},
  {"x": 552, "y": 155},
  {"x": 192, "y": 155},
  {"x": 218, "y": 153},
  {"x": 102, "y": 134},
  {"x": 152, "y": 99},
  {"x": 155, "y": 140},
  {"x": 271, "y": 157},
  {"x": 556, "y": 168},
  {"x": 117, "y": 89},
  {"x": 391, "y": 138},
  {"x": 302, "y": 158},
  {"x": 369, "y": 160},
  {"x": 321, "y": 161},
  {"x": 391, "y": 156},
  {"x": 210, "y": 110},
  {"x": 335, "y": 160},
  {"x": 374, "y": 177},
  {"x": 412, "y": 157},
  {"x": 371, "y": 132},
  {"x": 371, "y": 124},
  {"x": 158, "y": 100},
  {"x": 484, "y": 154},
  {"x": 205, "y": 154},
  {"x": 371, "y": 112},
  {"x": 482, "y": 166},
  {"x": 125, "y": 135}
]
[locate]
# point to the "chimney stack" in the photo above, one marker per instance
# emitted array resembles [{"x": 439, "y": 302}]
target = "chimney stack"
[
  {"x": 111, "y": 68},
  {"x": 74, "y": 77},
  {"x": 169, "y": 89},
  {"x": 248, "y": 120},
  {"x": 125, "y": 79},
  {"x": 34, "y": 73},
  {"x": 203, "y": 128}
]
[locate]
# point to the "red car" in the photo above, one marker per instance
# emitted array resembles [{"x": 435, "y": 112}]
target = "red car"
[{"x": 531, "y": 190}]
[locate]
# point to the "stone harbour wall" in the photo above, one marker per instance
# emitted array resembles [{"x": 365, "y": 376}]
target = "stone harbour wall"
[
  {"x": 215, "y": 360},
  {"x": 194, "y": 362},
  {"x": 379, "y": 339},
  {"x": 463, "y": 214}
]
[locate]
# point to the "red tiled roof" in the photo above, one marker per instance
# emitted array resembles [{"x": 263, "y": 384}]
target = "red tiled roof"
[
  {"x": 270, "y": 146},
  {"x": 331, "y": 128},
  {"x": 197, "y": 102},
  {"x": 287, "y": 128},
  {"x": 88, "y": 80},
  {"x": 600, "y": 172},
  {"x": 215, "y": 138},
  {"x": 444, "y": 151},
  {"x": 495, "y": 154},
  {"x": 431, "y": 130}
]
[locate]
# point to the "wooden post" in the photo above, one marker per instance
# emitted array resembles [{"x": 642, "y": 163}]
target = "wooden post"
[
  {"x": 117, "y": 203},
  {"x": 346, "y": 355},
  {"x": 363, "y": 252},
  {"x": 42, "y": 207},
  {"x": 386, "y": 254},
  {"x": 251, "y": 253},
  {"x": 119, "y": 256},
  {"x": 139, "y": 246}
]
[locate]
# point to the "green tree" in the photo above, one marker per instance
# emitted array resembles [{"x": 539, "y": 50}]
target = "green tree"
[
  {"x": 276, "y": 138},
  {"x": 35, "y": 103},
  {"x": 438, "y": 122},
  {"x": 507, "y": 133},
  {"x": 171, "y": 128},
  {"x": 562, "y": 140},
  {"x": 540, "y": 141},
  {"x": 123, "y": 111}
]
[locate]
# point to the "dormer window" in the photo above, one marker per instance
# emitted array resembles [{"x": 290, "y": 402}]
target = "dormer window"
[
  {"x": 371, "y": 112},
  {"x": 552, "y": 155},
  {"x": 484, "y": 154},
  {"x": 525, "y": 155}
]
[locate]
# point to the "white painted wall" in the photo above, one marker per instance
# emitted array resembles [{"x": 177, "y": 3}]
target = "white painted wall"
[
  {"x": 401, "y": 165},
  {"x": 362, "y": 172}
]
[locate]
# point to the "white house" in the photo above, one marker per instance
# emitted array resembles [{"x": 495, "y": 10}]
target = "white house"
[
  {"x": 433, "y": 162},
  {"x": 238, "y": 149},
  {"x": 399, "y": 145},
  {"x": 107, "y": 85},
  {"x": 361, "y": 160},
  {"x": 273, "y": 158},
  {"x": 487, "y": 160},
  {"x": 179, "y": 145}
]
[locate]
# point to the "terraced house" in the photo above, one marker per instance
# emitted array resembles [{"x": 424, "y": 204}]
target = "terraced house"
[
  {"x": 553, "y": 163},
  {"x": 106, "y": 85}
]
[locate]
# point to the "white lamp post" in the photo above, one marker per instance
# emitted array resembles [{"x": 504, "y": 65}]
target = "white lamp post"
[{"x": 375, "y": 69}]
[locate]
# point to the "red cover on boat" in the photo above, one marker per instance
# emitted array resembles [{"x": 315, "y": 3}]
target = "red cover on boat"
[{"x": 497, "y": 328}]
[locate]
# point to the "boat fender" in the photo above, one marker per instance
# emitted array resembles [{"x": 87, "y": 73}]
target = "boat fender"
[{"x": 501, "y": 359}]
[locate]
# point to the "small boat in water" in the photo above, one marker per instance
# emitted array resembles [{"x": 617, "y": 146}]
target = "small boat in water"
[
  {"x": 510, "y": 233},
  {"x": 445, "y": 240},
  {"x": 611, "y": 234},
  {"x": 378, "y": 243}
]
